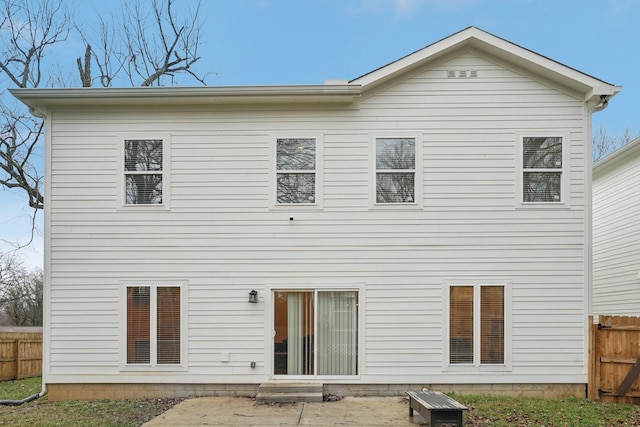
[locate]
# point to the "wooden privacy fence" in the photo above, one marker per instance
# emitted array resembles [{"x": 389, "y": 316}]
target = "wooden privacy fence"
[
  {"x": 614, "y": 359},
  {"x": 20, "y": 355}
]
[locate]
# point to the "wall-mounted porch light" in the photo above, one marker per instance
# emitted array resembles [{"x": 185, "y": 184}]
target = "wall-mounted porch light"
[{"x": 253, "y": 296}]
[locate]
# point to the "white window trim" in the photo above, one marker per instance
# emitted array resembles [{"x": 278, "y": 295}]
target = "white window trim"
[
  {"x": 315, "y": 287},
  {"x": 508, "y": 308},
  {"x": 154, "y": 284},
  {"x": 565, "y": 194},
  {"x": 273, "y": 172},
  {"x": 418, "y": 180},
  {"x": 166, "y": 181}
]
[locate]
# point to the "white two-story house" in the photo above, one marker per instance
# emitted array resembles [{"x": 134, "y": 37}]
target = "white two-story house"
[{"x": 425, "y": 224}]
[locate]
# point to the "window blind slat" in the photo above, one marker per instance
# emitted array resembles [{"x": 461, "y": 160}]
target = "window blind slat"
[
  {"x": 467, "y": 316},
  {"x": 461, "y": 324},
  {"x": 168, "y": 330},
  {"x": 491, "y": 325},
  {"x": 138, "y": 320}
]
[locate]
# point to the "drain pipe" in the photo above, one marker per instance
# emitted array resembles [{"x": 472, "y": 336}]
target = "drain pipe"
[
  {"x": 20, "y": 402},
  {"x": 26, "y": 399}
]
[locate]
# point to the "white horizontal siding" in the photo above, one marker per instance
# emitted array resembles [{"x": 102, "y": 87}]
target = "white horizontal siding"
[
  {"x": 223, "y": 237},
  {"x": 616, "y": 247}
]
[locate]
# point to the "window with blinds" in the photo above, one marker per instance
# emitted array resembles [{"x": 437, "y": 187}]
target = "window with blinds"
[
  {"x": 542, "y": 169},
  {"x": 296, "y": 170},
  {"x": 461, "y": 324},
  {"x": 395, "y": 170},
  {"x": 143, "y": 171},
  {"x": 153, "y": 325},
  {"x": 476, "y": 324},
  {"x": 168, "y": 325},
  {"x": 138, "y": 321},
  {"x": 491, "y": 325}
]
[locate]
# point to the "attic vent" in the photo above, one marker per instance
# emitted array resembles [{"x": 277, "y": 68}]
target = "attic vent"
[{"x": 462, "y": 74}]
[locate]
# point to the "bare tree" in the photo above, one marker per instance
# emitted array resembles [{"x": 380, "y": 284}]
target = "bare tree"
[
  {"x": 170, "y": 47},
  {"x": 109, "y": 57},
  {"x": 146, "y": 45},
  {"x": 605, "y": 143},
  {"x": 20, "y": 293},
  {"x": 29, "y": 29},
  {"x": 19, "y": 136}
]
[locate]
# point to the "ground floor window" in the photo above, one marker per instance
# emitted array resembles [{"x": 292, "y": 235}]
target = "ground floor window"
[
  {"x": 153, "y": 325},
  {"x": 316, "y": 332},
  {"x": 476, "y": 324}
]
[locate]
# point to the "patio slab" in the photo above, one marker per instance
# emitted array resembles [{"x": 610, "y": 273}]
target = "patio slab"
[{"x": 243, "y": 411}]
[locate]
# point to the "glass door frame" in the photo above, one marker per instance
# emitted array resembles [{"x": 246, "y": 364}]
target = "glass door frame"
[{"x": 315, "y": 288}]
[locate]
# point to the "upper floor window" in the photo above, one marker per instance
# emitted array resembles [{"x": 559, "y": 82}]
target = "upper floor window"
[
  {"x": 542, "y": 169},
  {"x": 143, "y": 171},
  {"x": 395, "y": 170},
  {"x": 296, "y": 170}
]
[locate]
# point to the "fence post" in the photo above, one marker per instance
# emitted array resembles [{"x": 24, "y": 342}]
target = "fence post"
[
  {"x": 593, "y": 377},
  {"x": 16, "y": 356}
]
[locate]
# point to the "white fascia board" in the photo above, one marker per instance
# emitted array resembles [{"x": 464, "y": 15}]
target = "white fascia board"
[
  {"x": 413, "y": 60},
  {"x": 607, "y": 90},
  {"x": 539, "y": 63},
  {"x": 45, "y": 99},
  {"x": 595, "y": 98},
  {"x": 496, "y": 46}
]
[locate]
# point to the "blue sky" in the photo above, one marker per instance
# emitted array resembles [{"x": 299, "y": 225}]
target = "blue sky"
[{"x": 264, "y": 42}]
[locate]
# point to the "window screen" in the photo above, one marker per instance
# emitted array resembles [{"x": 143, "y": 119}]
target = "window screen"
[
  {"x": 395, "y": 170},
  {"x": 296, "y": 170},
  {"x": 542, "y": 169},
  {"x": 143, "y": 171}
]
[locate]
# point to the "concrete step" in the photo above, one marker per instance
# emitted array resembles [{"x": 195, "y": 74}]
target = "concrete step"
[
  {"x": 289, "y": 397},
  {"x": 290, "y": 392},
  {"x": 291, "y": 388}
]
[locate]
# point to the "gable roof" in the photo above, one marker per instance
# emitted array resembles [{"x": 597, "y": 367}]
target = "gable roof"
[
  {"x": 475, "y": 38},
  {"x": 595, "y": 92},
  {"x": 626, "y": 153}
]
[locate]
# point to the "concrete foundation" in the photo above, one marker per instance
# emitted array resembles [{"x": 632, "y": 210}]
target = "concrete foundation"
[{"x": 58, "y": 392}]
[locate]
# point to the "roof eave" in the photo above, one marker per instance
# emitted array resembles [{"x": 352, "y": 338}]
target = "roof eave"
[
  {"x": 45, "y": 99},
  {"x": 505, "y": 50}
]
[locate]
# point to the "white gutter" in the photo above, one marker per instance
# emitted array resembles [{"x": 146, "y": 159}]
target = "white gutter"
[{"x": 43, "y": 99}]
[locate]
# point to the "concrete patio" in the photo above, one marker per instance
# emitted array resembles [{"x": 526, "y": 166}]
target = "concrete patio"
[{"x": 243, "y": 411}]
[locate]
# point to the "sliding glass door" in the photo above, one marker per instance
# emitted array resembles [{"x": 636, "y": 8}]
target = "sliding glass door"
[{"x": 316, "y": 333}]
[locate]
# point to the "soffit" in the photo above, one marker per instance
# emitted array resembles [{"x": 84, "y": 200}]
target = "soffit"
[{"x": 48, "y": 99}]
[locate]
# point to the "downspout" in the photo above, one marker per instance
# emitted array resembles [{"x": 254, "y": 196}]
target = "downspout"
[
  {"x": 43, "y": 116},
  {"x": 43, "y": 390},
  {"x": 604, "y": 101}
]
